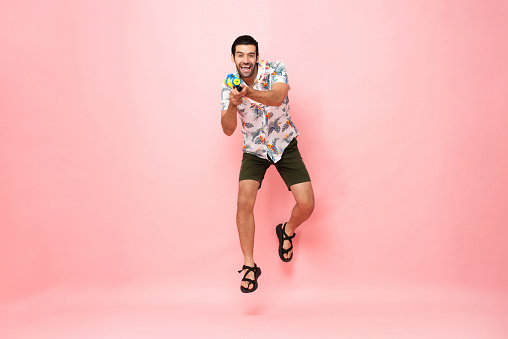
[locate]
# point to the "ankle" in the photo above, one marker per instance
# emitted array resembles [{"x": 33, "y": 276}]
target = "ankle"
[
  {"x": 289, "y": 230},
  {"x": 248, "y": 262}
]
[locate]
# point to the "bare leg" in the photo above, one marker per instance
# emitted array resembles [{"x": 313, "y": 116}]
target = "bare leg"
[
  {"x": 304, "y": 197},
  {"x": 247, "y": 192}
]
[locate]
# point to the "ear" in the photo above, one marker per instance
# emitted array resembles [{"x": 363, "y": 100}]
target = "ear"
[{"x": 232, "y": 58}]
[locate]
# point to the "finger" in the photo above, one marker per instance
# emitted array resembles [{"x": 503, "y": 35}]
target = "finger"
[{"x": 243, "y": 92}]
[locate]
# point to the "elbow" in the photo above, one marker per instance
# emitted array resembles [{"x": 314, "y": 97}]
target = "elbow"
[
  {"x": 229, "y": 132},
  {"x": 228, "y": 127},
  {"x": 276, "y": 103},
  {"x": 280, "y": 101}
]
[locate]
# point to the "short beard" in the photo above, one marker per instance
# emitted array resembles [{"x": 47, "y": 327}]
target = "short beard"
[{"x": 253, "y": 68}]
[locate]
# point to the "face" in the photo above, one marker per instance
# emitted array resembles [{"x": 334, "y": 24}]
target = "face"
[{"x": 245, "y": 60}]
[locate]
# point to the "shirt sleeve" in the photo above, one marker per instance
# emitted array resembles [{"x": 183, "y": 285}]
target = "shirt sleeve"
[
  {"x": 225, "y": 97},
  {"x": 279, "y": 73}
]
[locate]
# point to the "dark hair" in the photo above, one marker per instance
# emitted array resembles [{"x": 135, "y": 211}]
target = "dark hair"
[{"x": 244, "y": 40}]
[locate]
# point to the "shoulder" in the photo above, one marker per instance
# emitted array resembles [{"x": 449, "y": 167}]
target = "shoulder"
[
  {"x": 278, "y": 72},
  {"x": 267, "y": 66},
  {"x": 278, "y": 69},
  {"x": 275, "y": 64}
]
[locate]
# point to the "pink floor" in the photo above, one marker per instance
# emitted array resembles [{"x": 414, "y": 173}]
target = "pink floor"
[{"x": 347, "y": 310}]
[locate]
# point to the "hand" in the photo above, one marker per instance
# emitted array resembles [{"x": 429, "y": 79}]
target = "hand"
[{"x": 236, "y": 97}]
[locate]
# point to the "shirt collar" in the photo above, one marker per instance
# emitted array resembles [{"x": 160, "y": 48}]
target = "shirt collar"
[{"x": 262, "y": 69}]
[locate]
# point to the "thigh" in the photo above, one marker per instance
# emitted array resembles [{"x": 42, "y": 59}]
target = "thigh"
[
  {"x": 253, "y": 168},
  {"x": 291, "y": 166}
]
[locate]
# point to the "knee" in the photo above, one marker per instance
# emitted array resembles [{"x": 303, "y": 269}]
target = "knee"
[
  {"x": 307, "y": 206},
  {"x": 245, "y": 205},
  {"x": 247, "y": 192}
]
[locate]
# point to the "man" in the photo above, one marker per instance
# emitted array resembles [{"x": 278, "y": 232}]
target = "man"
[{"x": 269, "y": 137}]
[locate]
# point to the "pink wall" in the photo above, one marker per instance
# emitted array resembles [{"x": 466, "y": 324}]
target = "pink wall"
[{"x": 114, "y": 167}]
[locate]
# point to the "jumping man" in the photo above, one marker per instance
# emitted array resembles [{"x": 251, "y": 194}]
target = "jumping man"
[{"x": 269, "y": 138}]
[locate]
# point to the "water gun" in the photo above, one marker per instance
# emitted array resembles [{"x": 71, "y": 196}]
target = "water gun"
[{"x": 233, "y": 81}]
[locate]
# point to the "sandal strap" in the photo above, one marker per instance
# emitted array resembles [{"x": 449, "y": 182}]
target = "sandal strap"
[
  {"x": 250, "y": 281},
  {"x": 284, "y": 234},
  {"x": 248, "y": 268},
  {"x": 286, "y": 250},
  {"x": 289, "y": 238}
]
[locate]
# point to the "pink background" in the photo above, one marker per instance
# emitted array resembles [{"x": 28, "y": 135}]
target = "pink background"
[{"x": 115, "y": 175}]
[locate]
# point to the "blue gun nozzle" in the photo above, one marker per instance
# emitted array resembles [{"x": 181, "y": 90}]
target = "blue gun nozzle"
[{"x": 233, "y": 82}]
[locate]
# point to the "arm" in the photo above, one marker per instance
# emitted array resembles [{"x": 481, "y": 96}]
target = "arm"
[
  {"x": 228, "y": 116},
  {"x": 273, "y": 97},
  {"x": 228, "y": 120}
]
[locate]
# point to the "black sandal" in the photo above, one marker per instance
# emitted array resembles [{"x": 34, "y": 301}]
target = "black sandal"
[
  {"x": 254, "y": 283},
  {"x": 281, "y": 234}
]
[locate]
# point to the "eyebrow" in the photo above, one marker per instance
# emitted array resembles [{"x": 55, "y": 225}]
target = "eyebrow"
[{"x": 250, "y": 53}]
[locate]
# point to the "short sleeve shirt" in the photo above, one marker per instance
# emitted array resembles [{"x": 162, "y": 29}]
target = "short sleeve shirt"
[{"x": 267, "y": 130}]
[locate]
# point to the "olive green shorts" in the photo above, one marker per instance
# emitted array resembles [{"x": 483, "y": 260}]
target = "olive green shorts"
[{"x": 290, "y": 167}]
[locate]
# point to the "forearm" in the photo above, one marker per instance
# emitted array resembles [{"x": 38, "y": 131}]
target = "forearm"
[
  {"x": 229, "y": 120},
  {"x": 269, "y": 98}
]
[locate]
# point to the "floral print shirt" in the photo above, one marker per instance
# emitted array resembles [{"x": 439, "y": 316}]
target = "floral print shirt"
[{"x": 267, "y": 130}]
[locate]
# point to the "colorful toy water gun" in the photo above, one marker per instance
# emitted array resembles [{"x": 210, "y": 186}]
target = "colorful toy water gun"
[{"x": 233, "y": 81}]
